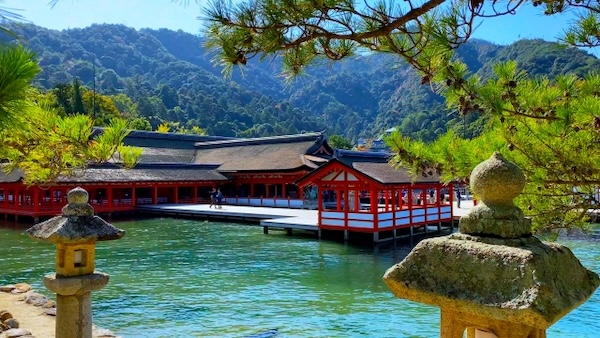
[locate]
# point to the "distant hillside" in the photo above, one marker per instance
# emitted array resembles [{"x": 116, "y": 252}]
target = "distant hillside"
[{"x": 171, "y": 78}]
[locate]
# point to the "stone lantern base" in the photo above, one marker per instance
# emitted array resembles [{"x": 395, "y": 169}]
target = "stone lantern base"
[{"x": 74, "y": 302}]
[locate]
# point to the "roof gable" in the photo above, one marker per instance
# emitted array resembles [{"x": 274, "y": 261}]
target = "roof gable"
[
  {"x": 288, "y": 152},
  {"x": 381, "y": 173}
]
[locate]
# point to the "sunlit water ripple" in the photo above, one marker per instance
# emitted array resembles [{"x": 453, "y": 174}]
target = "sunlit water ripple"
[{"x": 190, "y": 278}]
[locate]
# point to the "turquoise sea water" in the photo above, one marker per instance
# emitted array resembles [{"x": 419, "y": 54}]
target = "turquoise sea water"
[{"x": 187, "y": 278}]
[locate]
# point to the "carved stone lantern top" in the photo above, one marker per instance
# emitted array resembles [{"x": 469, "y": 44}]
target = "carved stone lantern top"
[
  {"x": 76, "y": 225},
  {"x": 496, "y": 182},
  {"x": 494, "y": 270}
]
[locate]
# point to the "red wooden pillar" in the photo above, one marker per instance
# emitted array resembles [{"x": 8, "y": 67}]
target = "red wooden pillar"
[
  {"x": 51, "y": 201},
  {"x": 251, "y": 189},
  {"x": 424, "y": 199},
  {"x": 176, "y": 193},
  {"x": 394, "y": 207},
  {"x": 5, "y": 198},
  {"x": 109, "y": 196},
  {"x": 320, "y": 203},
  {"x": 283, "y": 190},
  {"x": 356, "y": 200},
  {"x": 451, "y": 197},
  {"x": 409, "y": 200},
  {"x": 346, "y": 207},
  {"x": 376, "y": 212},
  {"x": 195, "y": 194},
  {"x": 154, "y": 194},
  {"x": 438, "y": 204},
  {"x": 387, "y": 199},
  {"x": 374, "y": 201},
  {"x": 267, "y": 190},
  {"x": 133, "y": 201},
  {"x": 338, "y": 198},
  {"x": 16, "y": 198},
  {"x": 36, "y": 199}
]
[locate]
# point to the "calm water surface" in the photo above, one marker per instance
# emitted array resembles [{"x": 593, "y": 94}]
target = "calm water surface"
[{"x": 186, "y": 278}]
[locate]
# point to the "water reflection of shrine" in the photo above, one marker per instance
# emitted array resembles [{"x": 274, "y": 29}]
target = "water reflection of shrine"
[{"x": 362, "y": 193}]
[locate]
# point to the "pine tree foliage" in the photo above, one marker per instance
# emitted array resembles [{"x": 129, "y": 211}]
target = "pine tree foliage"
[
  {"x": 549, "y": 127},
  {"x": 38, "y": 140}
]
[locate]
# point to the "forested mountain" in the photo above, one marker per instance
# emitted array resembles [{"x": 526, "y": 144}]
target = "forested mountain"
[{"x": 167, "y": 76}]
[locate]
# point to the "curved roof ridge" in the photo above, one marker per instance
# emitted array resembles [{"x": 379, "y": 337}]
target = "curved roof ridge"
[{"x": 312, "y": 136}]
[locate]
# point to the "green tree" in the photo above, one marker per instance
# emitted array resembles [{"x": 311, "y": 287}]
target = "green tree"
[
  {"x": 140, "y": 123},
  {"x": 78, "y": 106},
  {"x": 63, "y": 93},
  {"x": 549, "y": 127},
  {"x": 340, "y": 142},
  {"x": 36, "y": 139},
  {"x": 105, "y": 108}
]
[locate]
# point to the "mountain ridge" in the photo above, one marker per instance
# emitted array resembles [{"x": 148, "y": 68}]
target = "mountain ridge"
[{"x": 171, "y": 77}]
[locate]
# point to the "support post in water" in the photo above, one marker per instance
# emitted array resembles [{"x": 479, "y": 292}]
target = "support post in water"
[
  {"x": 494, "y": 278},
  {"x": 75, "y": 234}
]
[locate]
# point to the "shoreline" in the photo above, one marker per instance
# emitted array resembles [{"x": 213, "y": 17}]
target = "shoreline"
[
  {"x": 33, "y": 315},
  {"x": 30, "y": 317}
]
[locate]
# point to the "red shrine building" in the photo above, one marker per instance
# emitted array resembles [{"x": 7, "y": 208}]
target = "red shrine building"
[
  {"x": 177, "y": 168},
  {"x": 354, "y": 192},
  {"x": 360, "y": 192}
]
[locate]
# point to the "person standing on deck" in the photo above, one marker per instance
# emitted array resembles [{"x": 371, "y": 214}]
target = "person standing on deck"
[
  {"x": 458, "y": 197},
  {"x": 219, "y": 197},
  {"x": 213, "y": 198}
]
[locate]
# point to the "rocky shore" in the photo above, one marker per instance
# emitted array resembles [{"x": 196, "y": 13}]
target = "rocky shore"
[{"x": 25, "y": 313}]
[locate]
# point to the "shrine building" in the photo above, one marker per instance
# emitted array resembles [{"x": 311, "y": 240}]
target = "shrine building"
[{"x": 360, "y": 192}]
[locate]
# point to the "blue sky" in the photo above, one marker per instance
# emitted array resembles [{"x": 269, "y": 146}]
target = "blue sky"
[{"x": 528, "y": 23}]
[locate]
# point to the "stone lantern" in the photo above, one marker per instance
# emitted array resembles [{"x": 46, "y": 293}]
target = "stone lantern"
[
  {"x": 494, "y": 278},
  {"x": 75, "y": 234}
]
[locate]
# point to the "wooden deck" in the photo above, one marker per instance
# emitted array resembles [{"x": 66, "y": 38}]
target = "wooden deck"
[
  {"x": 281, "y": 218},
  {"x": 269, "y": 218}
]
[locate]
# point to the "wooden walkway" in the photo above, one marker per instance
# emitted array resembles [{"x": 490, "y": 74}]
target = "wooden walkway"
[
  {"x": 269, "y": 218},
  {"x": 281, "y": 218}
]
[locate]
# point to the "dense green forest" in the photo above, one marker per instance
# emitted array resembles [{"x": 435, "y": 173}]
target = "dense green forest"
[{"x": 165, "y": 79}]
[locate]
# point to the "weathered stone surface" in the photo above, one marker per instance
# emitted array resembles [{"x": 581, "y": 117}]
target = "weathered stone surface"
[
  {"x": 77, "y": 224},
  {"x": 50, "y": 312},
  {"x": 4, "y": 315},
  {"x": 7, "y": 288},
  {"x": 12, "y": 323},
  {"x": 98, "y": 332},
  {"x": 22, "y": 287},
  {"x": 75, "y": 229},
  {"x": 77, "y": 203},
  {"x": 501, "y": 222},
  {"x": 70, "y": 286},
  {"x": 494, "y": 275},
  {"x": 496, "y": 182},
  {"x": 520, "y": 280},
  {"x": 14, "y": 333},
  {"x": 37, "y": 299}
]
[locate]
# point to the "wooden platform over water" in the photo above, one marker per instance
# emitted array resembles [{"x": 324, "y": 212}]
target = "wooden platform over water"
[
  {"x": 282, "y": 218},
  {"x": 275, "y": 218}
]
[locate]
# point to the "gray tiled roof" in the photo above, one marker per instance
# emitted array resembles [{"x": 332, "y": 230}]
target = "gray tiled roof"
[
  {"x": 109, "y": 173},
  {"x": 262, "y": 154},
  {"x": 153, "y": 139},
  {"x": 14, "y": 176},
  {"x": 167, "y": 155},
  {"x": 385, "y": 173},
  {"x": 145, "y": 175}
]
